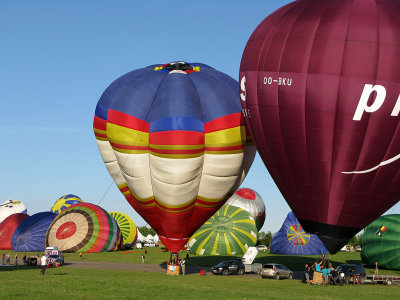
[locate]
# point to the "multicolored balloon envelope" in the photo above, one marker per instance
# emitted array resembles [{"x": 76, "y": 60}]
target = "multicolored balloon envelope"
[
  {"x": 7, "y": 228},
  {"x": 31, "y": 232},
  {"x": 231, "y": 230},
  {"x": 173, "y": 139},
  {"x": 84, "y": 227},
  {"x": 64, "y": 202},
  {"x": 127, "y": 227},
  {"x": 291, "y": 239},
  {"x": 10, "y": 207},
  {"x": 381, "y": 243},
  {"x": 250, "y": 201},
  {"x": 320, "y": 89}
]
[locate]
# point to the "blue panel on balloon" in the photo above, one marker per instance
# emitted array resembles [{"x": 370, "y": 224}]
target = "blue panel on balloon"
[
  {"x": 31, "y": 233},
  {"x": 291, "y": 239}
]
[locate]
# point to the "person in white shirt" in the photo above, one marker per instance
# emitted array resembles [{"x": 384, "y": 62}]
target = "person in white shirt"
[{"x": 43, "y": 263}]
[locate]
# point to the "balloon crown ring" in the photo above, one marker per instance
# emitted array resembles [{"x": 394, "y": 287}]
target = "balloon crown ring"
[{"x": 178, "y": 67}]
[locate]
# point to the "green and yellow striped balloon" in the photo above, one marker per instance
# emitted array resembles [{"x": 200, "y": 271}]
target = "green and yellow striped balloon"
[
  {"x": 231, "y": 230},
  {"x": 127, "y": 226}
]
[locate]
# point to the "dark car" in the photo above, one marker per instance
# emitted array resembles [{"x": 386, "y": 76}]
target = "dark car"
[
  {"x": 347, "y": 272},
  {"x": 228, "y": 267},
  {"x": 52, "y": 259}
]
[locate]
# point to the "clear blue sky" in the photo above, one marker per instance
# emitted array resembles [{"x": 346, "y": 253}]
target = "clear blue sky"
[{"x": 57, "y": 57}]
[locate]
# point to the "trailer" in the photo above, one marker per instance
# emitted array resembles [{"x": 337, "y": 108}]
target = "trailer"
[
  {"x": 382, "y": 279},
  {"x": 248, "y": 261}
]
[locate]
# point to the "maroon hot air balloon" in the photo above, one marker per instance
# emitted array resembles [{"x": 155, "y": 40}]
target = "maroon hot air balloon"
[
  {"x": 320, "y": 85},
  {"x": 7, "y": 228}
]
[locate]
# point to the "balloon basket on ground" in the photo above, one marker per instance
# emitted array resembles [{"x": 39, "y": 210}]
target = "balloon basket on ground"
[{"x": 173, "y": 269}]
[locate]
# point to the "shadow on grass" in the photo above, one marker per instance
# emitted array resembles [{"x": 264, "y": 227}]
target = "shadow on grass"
[{"x": 19, "y": 268}]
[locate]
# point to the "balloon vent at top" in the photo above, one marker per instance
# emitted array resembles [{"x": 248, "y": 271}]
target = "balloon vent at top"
[
  {"x": 174, "y": 140},
  {"x": 64, "y": 202},
  {"x": 320, "y": 86}
]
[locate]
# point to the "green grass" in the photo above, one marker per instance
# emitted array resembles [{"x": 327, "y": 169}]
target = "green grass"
[
  {"x": 70, "y": 283},
  {"x": 157, "y": 256}
]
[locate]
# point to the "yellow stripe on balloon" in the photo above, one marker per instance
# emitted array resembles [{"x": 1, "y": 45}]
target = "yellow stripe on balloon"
[
  {"x": 238, "y": 210},
  {"x": 207, "y": 206},
  {"x": 226, "y": 137},
  {"x": 214, "y": 250},
  {"x": 177, "y": 156},
  {"x": 239, "y": 242},
  {"x": 126, "y": 136},
  {"x": 252, "y": 237},
  {"x": 210, "y": 200},
  {"x": 204, "y": 242},
  {"x": 244, "y": 221},
  {"x": 226, "y": 209},
  {"x": 224, "y": 152},
  {"x": 200, "y": 232},
  {"x": 228, "y": 247},
  {"x": 191, "y": 202}
]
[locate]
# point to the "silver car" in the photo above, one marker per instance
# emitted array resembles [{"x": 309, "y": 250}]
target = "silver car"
[{"x": 276, "y": 271}]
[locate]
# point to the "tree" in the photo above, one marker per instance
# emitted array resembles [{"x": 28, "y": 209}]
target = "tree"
[
  {"x": 145, "y": 231},
  {"x": 264, "y": 238}
]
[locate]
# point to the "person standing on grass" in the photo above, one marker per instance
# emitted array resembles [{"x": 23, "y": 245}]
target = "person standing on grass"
[
  {"x": 43, "y": 263},
  {"x": 143, "y": 258},
  {"x": 16, "y": 259},
  {"x": 8, "y": 259},
  {"x": 81, "y": 255},
  {"x": 325, "y": 274},
  {"x": 376, "y": 268},
  {"x": 307, "y": 274},
  {"x": 183, "y": 266},
  {"x": 24, "y": 259},
  {"x": 3, "y": 259}
]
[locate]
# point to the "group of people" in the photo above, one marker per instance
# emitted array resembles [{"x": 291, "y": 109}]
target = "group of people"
[
  {"x": 329, "y": 274},
  {"x": 174, "y": 260},
  {"x": 6, "y": 259}
]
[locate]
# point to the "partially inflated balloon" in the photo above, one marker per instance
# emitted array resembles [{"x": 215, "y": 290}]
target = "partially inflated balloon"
[
  {"x": 64, "y": 202},
  {"x": 381, "y": 243},
  {"x": 10, "y": 207},
  {"x": 31, "y": 232},
  {"x": 291, "y": 239},
  {"x": 84, "y": 227},
  {"x": 250, "y": 201},
  {"x": 7, "y": 229},
  {"x": 320, "y": 85},
  {"x": 231, "y": 230},
  {"x": 127, "y": 227},
  {"x": 173, "y": 139}
]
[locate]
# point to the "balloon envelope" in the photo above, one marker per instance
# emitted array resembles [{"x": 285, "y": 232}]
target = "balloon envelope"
[
  {"x": 84, "y": 227},
  {"x": 10, "y": 207},
  {"x": 250, "y": 201},
  {"x": 231, "y": 230},
  {"x": 173, "y": 139},
  {"x": 31, "y": 233},
  {"x": 64, "y": 202},
  {"x": 319, "y": 87},
  {"x": 126, "y": 225},
  {"x": 291, "y": 239},
  {"x": 381, "y": 242},
  {"x": 7, "y": 229}
]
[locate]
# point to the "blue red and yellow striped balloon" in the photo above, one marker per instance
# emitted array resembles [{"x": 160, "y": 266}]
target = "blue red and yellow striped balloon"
[
  {"x": 173, "y": 139},
  {"x": 291, "y": 239},
  {"x": 64, "y": 202}
]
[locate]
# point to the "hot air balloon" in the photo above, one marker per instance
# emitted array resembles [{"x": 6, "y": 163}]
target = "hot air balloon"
[
  {"x": 291, "y": 239},
  {"x": 31, "y": 233},
  {"x": 320, "y": 89},
  {"x": 250, "y": 201},
  {"x": 7, "y": 228},
  {"x": 64, "y": 202},
  {"x": 127, "y": 227},
  {"x": 231, "y": 230},
  {"x": 84, "y": 227},
  {"x": 173, "y": 139},
  {"x": 383, "y": 248},
  {"x": 10, "y": 207}
]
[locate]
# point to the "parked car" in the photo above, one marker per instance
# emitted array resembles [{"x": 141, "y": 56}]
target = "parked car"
[
  {"x": 262, "y": 248},
  {"x": 276, "y": 271},
  {"x": 228, "y": 267},
  {"x": 347, "y": 272},
  {"x": 54, "y": 258},
  {"x": 149, "y": 244}
]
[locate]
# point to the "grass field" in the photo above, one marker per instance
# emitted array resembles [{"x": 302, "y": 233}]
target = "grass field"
[{"x": 59, "y": 283}]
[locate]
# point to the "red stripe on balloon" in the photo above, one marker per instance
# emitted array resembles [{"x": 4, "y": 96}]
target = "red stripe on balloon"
[
  {"x": 99, "y": 123},
  {"x": 225, "y": 122},
  {"x": 128, "y": 121},
  {"x": 128, "y": 147},
  {"x": 176, "y": 151},
  {"x": 178, "y": 137}
]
